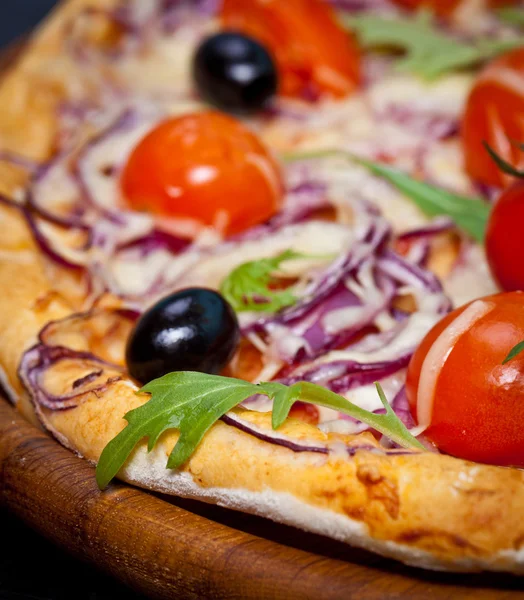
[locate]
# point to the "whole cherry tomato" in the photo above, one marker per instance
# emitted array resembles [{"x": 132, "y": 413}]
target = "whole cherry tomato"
[
  {"x": 314, "y": 54},
  {"x": 206, "y": 167},
  {"x": 504, "y": 239},
  {"x": 459, "y": 388},
  {"x": 494, "y": 115}
]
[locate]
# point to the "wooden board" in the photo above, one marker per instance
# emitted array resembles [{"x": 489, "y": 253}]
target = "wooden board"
[
  {"x": 170, "y": 548},
  {"x": 181, "y": 549}
]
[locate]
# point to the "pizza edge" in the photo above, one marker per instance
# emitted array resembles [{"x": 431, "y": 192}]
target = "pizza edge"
[{"x": 426, "y": 510}]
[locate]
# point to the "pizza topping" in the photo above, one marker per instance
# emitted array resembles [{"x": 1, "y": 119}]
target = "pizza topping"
[
  {"x": 314, "y": 55},
  {"x": 504, "y": 241},
  {"x": 430, "y": 52},
  {"x": 512, "y": 15},
  {"x": 207, "y": 168},
  {"x": 513, "y": 353},
  {"x": 234, "y": 73},
  {"x": 76, "y": 357},
  {"x": 194, "y": 402},
  {"x": 192, "y": 329},
  {"x": 253, "y": 286},
  {"x": 46, "y": 373},
  {"x": 493, "y": 115},
  {"x": 470, "y": 214},
  {"x": 445, "y": 7},
  {"x": 462, "y": 387}
]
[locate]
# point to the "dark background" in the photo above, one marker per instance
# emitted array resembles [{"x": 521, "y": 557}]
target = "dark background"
[
  {"x": 30, "y": 567},
  {"x": 19, "y": 16}
]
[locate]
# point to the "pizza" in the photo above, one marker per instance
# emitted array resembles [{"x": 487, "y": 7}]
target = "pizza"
[{"x": 267, "y": 255}]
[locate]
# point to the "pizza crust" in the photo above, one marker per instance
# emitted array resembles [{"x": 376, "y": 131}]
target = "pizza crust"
[{"x": 424, "y": 509}]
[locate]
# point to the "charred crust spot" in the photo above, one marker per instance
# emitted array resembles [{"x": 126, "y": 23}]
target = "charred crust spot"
[
  {"x": 369, "y": 475},
  {"x": 45, "y": 300},
  {"x": 357, "y": 513},
  {"x": 519, "y": 542},
  {"x": 380, "y": 489},
  {"x": 438, "y": 539}
]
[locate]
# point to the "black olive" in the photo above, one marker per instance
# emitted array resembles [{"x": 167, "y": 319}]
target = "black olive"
[
  {"x": 191, "y": 330},
  {"x": 234, "y": 72}
]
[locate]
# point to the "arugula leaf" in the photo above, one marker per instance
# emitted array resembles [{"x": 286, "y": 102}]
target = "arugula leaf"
[
  {"x": 192, "y": 402},
  {"x": 470, "y": 214},
  {"x": 514, "y": 352},
  {"x": 429, "y": 52},
  {"x": 512, "y": 14},
  {"x": 248, "y": 286},
  {"x": 502, "y": 164}
]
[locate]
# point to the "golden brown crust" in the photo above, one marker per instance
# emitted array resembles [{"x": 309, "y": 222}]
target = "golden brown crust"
[{"x": 425, "y": 509}]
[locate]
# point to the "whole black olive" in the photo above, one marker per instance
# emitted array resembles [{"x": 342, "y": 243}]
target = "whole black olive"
[
  {"x": 191, "y": 330},
  {"x": 234, "y": 72}
]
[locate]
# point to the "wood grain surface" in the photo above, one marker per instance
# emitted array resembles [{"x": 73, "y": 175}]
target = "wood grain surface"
[
  {"x": 178, "y": 549},
  {"x": 181, "y": 549}
]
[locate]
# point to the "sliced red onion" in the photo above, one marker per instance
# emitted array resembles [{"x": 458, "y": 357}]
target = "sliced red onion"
[
  {"x": 350, "y": 374},
  {"x": 302, "y": 201},
  {"x": 124, "y": 123},
  {"x": 156, "y": 240},
  {"x": 320, "y": 289},
  {"x": 436, "y": 227},
  {"x": 408, "y": 274},
  {"x": 432, "y": 125},
  {"x": 37, "y": 360},
  {"x": 46, "y": 247},
  {"x": 276, "y": 439},
  {"x": 39, "y": 237},
  {"x": 72, "y": 222},
  {"x": 361, "y": 5},
  {"x": 18, "y": 160}
]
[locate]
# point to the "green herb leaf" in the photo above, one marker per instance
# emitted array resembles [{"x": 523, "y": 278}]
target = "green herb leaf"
[
  {"x": 514, "y": 353},
  {"x": 429, "y": 52},
  {"x": 512, "y": 14},
  {"x": 193, "y": 402},
  {"x": 247, "y": 288},
  {"x": 503, "y": 165},
  {"x": 470, "y": 214}
]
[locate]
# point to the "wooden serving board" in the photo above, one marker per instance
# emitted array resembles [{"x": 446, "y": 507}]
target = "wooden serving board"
[{"x": 169, "y": 548}]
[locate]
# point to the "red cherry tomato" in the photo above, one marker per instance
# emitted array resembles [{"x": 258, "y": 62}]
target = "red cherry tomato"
[
  {"x": 444, "y": 7},
  {"x": 477, "y": 401},
  {"x": 314, "y": 54},
  {"x": 494, "y": 114},
  {"x": 206, "y": 167},
  {"x": 504, "y": 239}
]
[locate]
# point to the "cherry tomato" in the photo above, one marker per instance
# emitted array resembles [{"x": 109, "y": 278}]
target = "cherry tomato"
[
  {"x": 494, "y": 114},
  {"x": 314, "y": 55},
  {"x": 458, "y": 385},
  {"x": 504, "y": 239},
  {"x": 444, "y": 7},
  {"x": 205, "y": 167}
]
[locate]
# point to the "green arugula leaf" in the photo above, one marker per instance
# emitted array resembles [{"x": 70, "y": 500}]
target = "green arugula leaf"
[
  {"x": 470, "y": 214},
  {"x": 503, "y": 165},
  {"x": 512, "y": 14},
  {"x": 247, "y": 288},
  {"x": 514, "y": 352},
  {"x": 192, "y": 402},
  {"x": 429, "y": 52}
]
